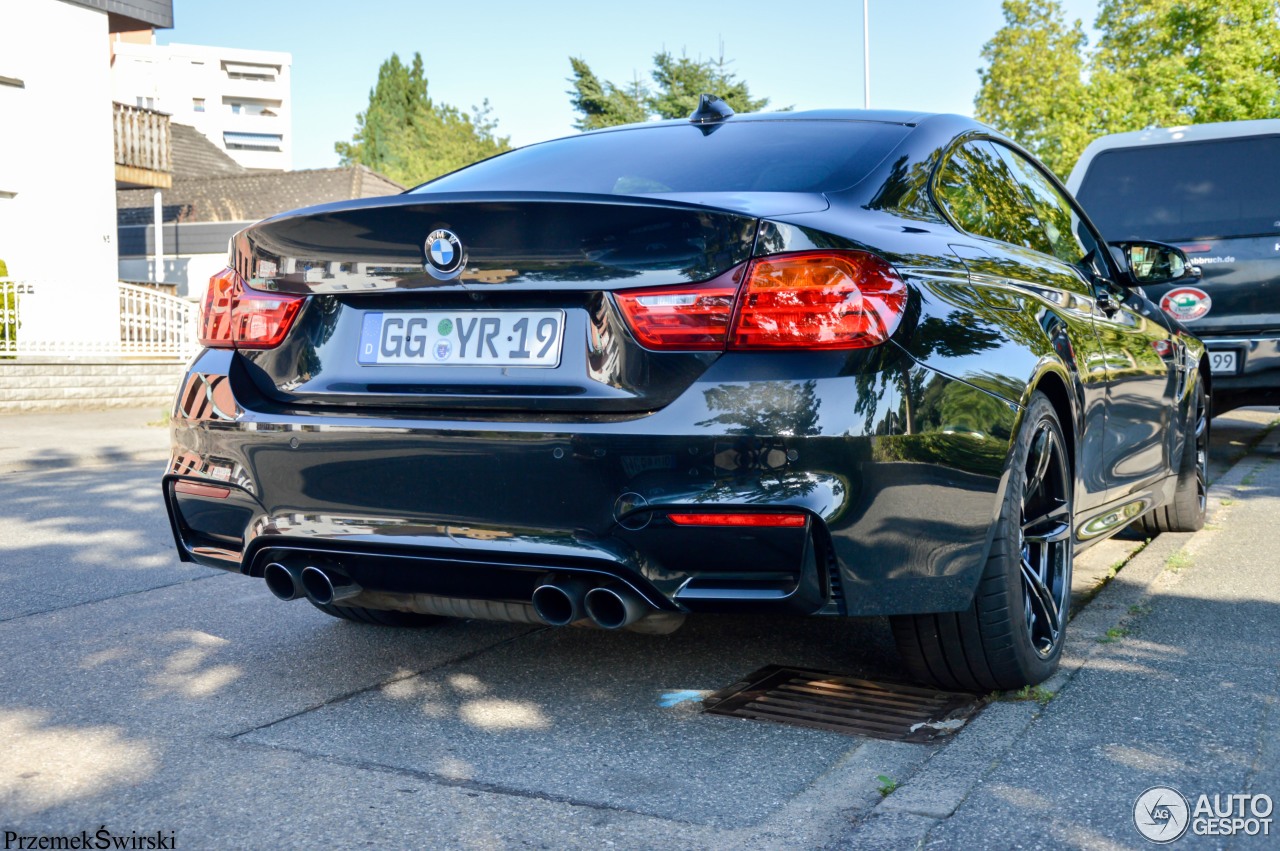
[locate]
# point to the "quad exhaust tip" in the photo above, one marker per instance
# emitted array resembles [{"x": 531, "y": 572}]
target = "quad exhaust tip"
[
  {"x": 560, "y": 602},
  {"x": 615, "y": 607},
  {"x": 324, "y": 587},
  {"x": 283, "y": 581}
]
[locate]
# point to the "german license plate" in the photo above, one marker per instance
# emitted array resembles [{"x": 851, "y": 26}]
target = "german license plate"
[
  {"x": 463, "y": 338},
  {"x": 1222, "y": 363}
]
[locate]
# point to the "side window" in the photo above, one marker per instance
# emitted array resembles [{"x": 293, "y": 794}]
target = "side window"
[
  {"x": 980, "y": 192},
  {"x": 1068, "y": 237}
]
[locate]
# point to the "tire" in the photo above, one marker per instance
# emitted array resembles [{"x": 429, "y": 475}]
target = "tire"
[
  {"x": 1185, "y": 512},
  {"x": 379, "y": 617},
  {"x": 1010, "y": 636}
]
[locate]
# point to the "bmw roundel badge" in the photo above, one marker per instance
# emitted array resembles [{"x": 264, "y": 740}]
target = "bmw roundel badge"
[{"x": 445, "y": 257}]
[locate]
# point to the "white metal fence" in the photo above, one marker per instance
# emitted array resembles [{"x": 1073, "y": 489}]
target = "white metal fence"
[{"x": 152, "y": 324}]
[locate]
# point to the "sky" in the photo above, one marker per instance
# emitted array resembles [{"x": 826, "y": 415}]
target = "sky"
[{"x": 925, "y": 54}]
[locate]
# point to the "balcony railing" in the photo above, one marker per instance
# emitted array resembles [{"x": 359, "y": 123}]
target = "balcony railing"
[{"x": 143, "y": 148}]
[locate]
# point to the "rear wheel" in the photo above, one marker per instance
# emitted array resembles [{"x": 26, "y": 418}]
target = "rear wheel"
[
  {"x": 1185, "y": 512},
  {"x": 378, "y": 617},
  {"x": 1012, "y": 633}
]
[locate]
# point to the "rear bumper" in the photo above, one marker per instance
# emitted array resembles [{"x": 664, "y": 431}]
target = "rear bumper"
[
  {"x": 484, "y": 508},
  {"x": 1256, "y": 380}
]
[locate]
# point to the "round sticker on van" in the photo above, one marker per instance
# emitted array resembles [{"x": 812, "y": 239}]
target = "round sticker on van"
[{"x": 1186, "y": 303}]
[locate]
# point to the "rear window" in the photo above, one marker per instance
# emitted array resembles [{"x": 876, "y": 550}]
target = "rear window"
[
  {"x": 750, "y": 156},
  {"x": 1186, "y": 190}
]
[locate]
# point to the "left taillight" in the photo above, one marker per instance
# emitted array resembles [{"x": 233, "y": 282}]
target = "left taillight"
[
  {"x": 799, "y": 301},
  {"x": 238, "y": 316}
]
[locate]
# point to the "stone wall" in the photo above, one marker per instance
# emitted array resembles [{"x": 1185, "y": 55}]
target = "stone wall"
[{"x": 30, "y": 384}]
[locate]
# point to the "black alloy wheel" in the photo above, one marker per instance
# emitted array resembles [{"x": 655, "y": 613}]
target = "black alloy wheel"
[
  {"x": 1012, "y": 633},
  {"x": 1046, "y": 540}
]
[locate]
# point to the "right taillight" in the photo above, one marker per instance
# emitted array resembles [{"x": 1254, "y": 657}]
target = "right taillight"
[
  {"x": 818, "y": 300},
  {"x": 236, "y": 316},
  {"x": 692, "y": 318},
  {"x": 802, "y": 300}
]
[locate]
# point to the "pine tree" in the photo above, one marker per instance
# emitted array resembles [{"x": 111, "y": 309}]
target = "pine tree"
[
  {"x": 602, "y": 104},
  {"x": 681, "y": 80},
  {"x": 410, "y": 138},
  {"x": 678, "y": 81}
]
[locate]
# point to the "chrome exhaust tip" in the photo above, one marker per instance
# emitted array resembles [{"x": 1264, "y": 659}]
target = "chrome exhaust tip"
[
  {"x": 326, "y": 587},
  {"x": 615, "y": 607},
  {"x": 284, "y": 581},
  {"x": 559, "y": 603}
]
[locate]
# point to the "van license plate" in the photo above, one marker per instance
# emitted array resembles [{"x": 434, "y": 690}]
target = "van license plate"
[{"x": 1222, "y": 363}]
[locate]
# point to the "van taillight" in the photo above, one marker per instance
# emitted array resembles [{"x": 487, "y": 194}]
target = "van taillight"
[
  {"x": 803, "y": 300},
  {"x": 237, "y": 316}
]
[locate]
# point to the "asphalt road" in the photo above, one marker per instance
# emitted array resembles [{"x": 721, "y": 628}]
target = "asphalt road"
[{"x": 145, "y": 695}]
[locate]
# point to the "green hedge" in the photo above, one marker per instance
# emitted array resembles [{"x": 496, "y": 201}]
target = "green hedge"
[{"x": 8, "y": 310}]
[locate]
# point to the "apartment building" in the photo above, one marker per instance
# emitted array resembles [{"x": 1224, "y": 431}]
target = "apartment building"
[{"x": 239, "y": 99}]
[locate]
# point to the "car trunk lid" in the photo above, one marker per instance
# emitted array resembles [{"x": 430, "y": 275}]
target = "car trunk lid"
[{"x": 381, "y": 331}]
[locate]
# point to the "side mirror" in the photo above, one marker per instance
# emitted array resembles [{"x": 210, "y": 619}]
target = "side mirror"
[{"x": 1156, "y": 263}]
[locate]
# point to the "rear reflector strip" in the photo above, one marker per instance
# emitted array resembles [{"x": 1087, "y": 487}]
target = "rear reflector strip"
[
  {"x": 738, "y": 519},
  {"x": 197, "y": 489}
]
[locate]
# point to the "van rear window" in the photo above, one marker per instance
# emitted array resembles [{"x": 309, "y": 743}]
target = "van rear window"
[{"x": 1186, "y": 190}]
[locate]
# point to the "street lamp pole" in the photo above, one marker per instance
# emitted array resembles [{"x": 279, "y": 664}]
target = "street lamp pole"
[{"x": 866, "y": 59}]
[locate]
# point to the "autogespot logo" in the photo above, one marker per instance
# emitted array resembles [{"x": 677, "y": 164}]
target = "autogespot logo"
[
  {"x": 445, "y": 256},
  {"x": 1161, "y": 814}
]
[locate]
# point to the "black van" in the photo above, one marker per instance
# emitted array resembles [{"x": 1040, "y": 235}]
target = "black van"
[{"x": 1214, "y": 191}]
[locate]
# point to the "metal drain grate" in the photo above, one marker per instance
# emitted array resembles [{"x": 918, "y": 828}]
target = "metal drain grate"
[{"x": 827, "y": 701}]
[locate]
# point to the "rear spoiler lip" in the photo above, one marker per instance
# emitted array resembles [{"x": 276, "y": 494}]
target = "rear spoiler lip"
[{"x": 730, "y": 202}]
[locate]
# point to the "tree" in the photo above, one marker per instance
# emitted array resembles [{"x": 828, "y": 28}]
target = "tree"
[
  {"x": 409, "y": 137},
  {"x": 677, "y": 83},
  {"x": 1157, "y": 63},
  {"x": 681, "y": 80},
  {"x": 1032, "y": 87},
  {"x": 1171, "y": 62},
  {"x": 604, "y": 104}
]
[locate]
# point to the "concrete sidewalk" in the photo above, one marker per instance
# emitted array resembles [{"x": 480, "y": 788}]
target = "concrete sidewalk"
[
  {"x": 1171, "y": 679},
  {"x": 36, "y": 442}
]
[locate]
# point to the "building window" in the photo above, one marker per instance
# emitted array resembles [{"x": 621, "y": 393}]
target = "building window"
[
  {"x": 251, "y": 107},
  {"x": 197, "y": 104},
  {"x": 145, "y": 103},
  {"x": 240, "y": 71},
  {"x": 252, "y": 141}
]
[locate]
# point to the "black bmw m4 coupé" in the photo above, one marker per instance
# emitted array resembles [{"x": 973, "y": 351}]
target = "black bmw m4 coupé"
[{"x": 825, "y": 363}]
